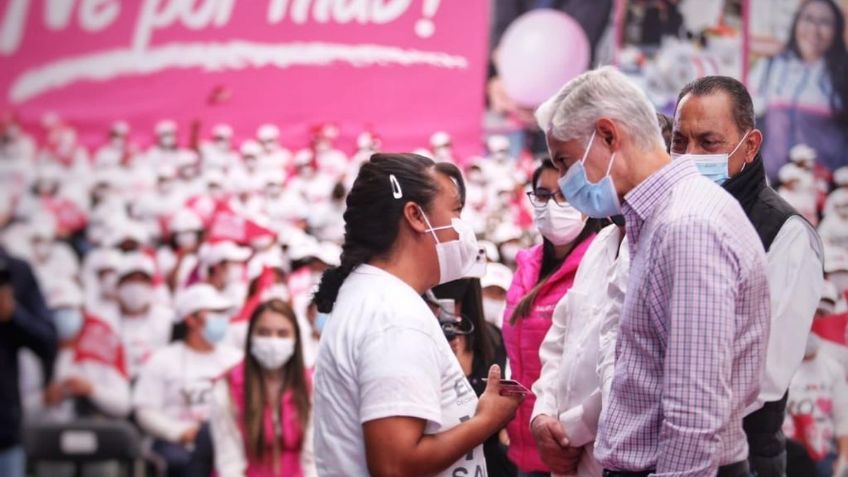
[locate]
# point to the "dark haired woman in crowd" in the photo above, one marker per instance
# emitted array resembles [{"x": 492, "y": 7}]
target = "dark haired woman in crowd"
[
  {"x": 261, "y": 419},
  {"x": 390, "y": 396},
  {"x": 477, "y": 349},
  {"x": 543, "y": 275},
  {"x": 803, "y": 92}
]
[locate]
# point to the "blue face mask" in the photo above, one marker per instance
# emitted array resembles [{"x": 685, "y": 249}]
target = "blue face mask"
[
  {"x": 321, "y": 321},
  {"x": 215, "y": 327},
  {"x": 712, "y": 166},
  {"x": 68, "y": 323},
  {"x": 598, "y": 200}
]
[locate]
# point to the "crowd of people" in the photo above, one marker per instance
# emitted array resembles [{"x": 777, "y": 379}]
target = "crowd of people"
[
  {"x": 187, "y": 289},
  {"x": 257, "y": 309}
]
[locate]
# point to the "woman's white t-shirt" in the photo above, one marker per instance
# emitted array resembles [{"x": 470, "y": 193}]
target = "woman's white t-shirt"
[{"x": 383, "y": 354}]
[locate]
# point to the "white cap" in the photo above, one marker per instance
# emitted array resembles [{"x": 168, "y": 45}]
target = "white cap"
[
  {"x": 120, "y": 127},
  {"x": 106, "y": 259},
  {"x": 306, "y": 247},
  {"x": 43, "y": 227},
  {"x": 789, "y": 172},
  {"x": 366, "y": 140},
  {"x": 267, "y": 132},
  {"x": 200, "y": 296},
  {"x": 497, "y": 142},
  {"x": 136, "y": 262},
  {"x": 214, "y": 176},
  {"x": 802, "y": 152},
  {"x": 330, "y": 131},
  {"x": 497, "y": 275},
  {"x": 330, "y": 253},
  {"x": 166, "y": 126},
  {"x": 64, "y": 293},
  {"x": 840, "y": 176},
  {"x": 214, "y": 253},
  {"x": 128, "y": 230},
  {"x": 838, "y": 197},
  {"x": 277, "y": 291},
  {"x": 270, "y": 260},
  {"x": 250, "y": 148},
  {"x": 166, "y": 171},
  {"x": 303, "y": 157},
  {"x": 835, "y": 259},
  {"x": 440, "y": 139},
  {"x": 185, "y": 220},
  {"x": 222, "y": 130}
]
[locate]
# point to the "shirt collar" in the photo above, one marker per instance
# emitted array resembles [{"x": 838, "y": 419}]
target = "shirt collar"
[{"x": 641, "y": 202}]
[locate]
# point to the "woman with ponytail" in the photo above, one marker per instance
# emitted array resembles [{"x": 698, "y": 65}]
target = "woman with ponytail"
[
  {"x": 390, "y": 396},
  {"x": 543, "y": 275}
]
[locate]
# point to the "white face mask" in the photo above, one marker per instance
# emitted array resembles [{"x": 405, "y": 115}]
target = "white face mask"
[
  {"x": 460, "y": 258},
  {"x": 493, "y": 311},
  {"x": 560, "y": 224},
  {"x": 271, "y": 352},
  {"x": 713, "y": 166},
  {"x": 235, "y": 273},
  {"x": 135, "y": 296}
]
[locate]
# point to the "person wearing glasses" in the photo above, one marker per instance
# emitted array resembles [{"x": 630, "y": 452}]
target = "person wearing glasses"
[
  {"x": 802, "y": 93},
  {"x": 544, "y": 274}
]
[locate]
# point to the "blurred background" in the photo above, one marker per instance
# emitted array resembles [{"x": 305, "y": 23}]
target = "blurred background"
[{"x": 167, "y": 143}]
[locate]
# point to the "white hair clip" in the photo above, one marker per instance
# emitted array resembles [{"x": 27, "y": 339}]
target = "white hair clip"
[{"x": 396, "y": 192}]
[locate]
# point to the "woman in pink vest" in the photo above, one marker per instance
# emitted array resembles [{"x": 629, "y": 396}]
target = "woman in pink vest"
[
  {"x": 261, "y": 418},
  {"x": 543, "y": 275}
]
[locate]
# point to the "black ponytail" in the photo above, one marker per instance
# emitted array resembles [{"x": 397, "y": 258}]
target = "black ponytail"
[{"x": 373, "y": 214}]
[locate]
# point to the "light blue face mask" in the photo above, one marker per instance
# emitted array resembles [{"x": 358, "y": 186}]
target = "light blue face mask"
[
  {"x": 68, "y": 323},
  {"x": 215, "y": 327},
  {"x": 321, "y": 321},
  {"x": 597, "y": 200},
  {"x": 712, "y": 166}
]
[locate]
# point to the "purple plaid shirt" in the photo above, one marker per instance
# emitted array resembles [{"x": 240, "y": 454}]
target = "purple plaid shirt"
[{"x": 693, "y": 330}]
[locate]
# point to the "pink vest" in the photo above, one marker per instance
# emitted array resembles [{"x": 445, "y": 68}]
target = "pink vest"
[
  {"x": 293, "y": 435},
  {"x": 523, "y": 340}
]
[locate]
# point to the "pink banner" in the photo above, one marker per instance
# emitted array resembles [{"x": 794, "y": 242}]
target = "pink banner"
[{"x": 404, "y": 68}]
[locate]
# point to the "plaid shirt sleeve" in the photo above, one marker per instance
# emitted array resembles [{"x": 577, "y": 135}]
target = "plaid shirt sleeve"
[{"x": 695, "y": 281}]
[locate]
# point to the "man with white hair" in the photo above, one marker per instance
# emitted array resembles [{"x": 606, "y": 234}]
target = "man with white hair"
[
  {"x": 714, "y": 126},
  {"x": 695, "y": 320}
]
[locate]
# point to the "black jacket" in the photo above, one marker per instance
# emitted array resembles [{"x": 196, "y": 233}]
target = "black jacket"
[{"x": 31, "y": 327}]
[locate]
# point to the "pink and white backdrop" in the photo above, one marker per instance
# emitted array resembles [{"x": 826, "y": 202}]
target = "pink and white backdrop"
[{"x": 404, "y": 68}]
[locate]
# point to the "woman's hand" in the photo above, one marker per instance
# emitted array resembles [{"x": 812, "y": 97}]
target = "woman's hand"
[{"x": 497, "y": 410}]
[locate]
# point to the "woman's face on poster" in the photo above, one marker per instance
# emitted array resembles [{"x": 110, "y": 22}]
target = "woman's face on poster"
[{"x": 815, "y": 30}]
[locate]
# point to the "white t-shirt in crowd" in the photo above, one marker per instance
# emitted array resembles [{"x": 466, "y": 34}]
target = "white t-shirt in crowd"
[
  {"x": 383, "y": 354},
  {"x": 143, "y": 335},
  {"x": 174, "y": 388}
]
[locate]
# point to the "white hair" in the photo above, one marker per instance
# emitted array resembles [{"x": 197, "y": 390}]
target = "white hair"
[{"x": 605, "y": 92}]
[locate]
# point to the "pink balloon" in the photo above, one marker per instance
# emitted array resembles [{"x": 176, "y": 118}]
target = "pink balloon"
[{"x": 540, "y": 52}]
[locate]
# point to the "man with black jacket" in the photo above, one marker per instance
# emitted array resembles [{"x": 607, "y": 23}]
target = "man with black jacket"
[
  {"x": 714, "y": 125},
  {"x": 25, "y": 322}
]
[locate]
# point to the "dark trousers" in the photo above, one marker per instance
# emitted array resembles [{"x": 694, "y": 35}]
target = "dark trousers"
[{"x": 182, "y": 461}]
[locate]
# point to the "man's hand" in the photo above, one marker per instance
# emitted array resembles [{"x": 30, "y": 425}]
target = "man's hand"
[
  {"x": 54, "y": 394},
  {"x": 553, "y": 445},
  {"x": 189, "y": 435},
  {"x": 7, "y": 303},
  {"x": 77, "y": 386}
]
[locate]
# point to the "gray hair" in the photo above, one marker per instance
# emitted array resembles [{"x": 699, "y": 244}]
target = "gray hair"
[{"x": 605, "y": 92}]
